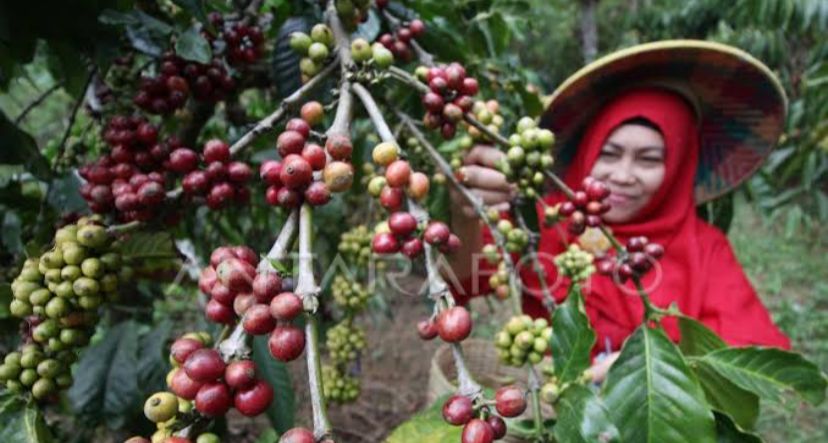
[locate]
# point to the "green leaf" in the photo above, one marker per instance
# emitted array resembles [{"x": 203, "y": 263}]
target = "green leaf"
[
  {"x": 769, "y": 372},
  {"x": 19, "y": 148},
  {"x": 651, "y": 390},
  {"x": 728, "y": 432},
  {"x": 194, "y": 8},
  {"x": 697, "y": 339},
  {"x": 726, "y": 397},
  {"x": 152, "y": 362},
  {"x": 106, "y": 379},
  {"x": 5, "y": 299},
  {"x": 282, "y": 409},
  {"x": 426, "y": 426},
  {"x": 68, "y": 65},
  {"x": 582, "y": 417},
  {"x": 191, "y": 45},
  {"x": 572, "y": 339},
  {"x": 149, "y": 245},
  {"x": 21, "y": 422}
]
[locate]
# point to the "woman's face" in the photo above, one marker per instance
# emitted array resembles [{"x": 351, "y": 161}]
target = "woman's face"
[{"x": 631, "y": 162}]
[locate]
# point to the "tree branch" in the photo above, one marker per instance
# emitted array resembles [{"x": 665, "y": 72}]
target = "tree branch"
[
  {"x": 72, "y": 116},
  {"x": 344, "y": 109},
  {"x": 288, "y": 104},
  {"x": 36, "y": 102}
]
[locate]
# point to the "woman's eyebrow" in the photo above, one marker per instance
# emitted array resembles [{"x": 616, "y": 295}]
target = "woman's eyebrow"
[{"x": 643, "y": 148}]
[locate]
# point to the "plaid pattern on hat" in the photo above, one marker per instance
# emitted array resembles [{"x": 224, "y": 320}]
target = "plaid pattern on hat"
[{"x": 740, "y": 104}]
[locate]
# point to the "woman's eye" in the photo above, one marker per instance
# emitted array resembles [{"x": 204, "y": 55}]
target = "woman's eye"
[
  {"x": 652, "y": 159},
  {"x": 608, "y": 154}
]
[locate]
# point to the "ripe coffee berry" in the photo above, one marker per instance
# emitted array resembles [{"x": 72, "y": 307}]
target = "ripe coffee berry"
[
  {"x": 454, "y": 324},
  {"x": 240, "y": 374},
  {"x": 254, "y": 400},
  {"x": 402, "y": 224},
  {"x": 213, "y": 399},
  {"x": 339, "y": 146},
  {"x": 296, "y": 172},
  {"x": 204, "y": 365},
  {"x": 312, "y": 112},
  {"x": 183, "y": 347},
  {"x": 184, "y": 386},
  {"x": 427, "y": 329},
  {"x": 257, "y": 319},
  {"x": 477, "y": 431},
  {"x": 385, "y": 243},
  {"x": 286, "y": 306},
  {"x": 510, "y": 401},
  {"x": 297, "y": 435},
  {"x": 436, "y": 233},
  {"x": 286, "y": 343},
  {"x": 458, "y": 410}
]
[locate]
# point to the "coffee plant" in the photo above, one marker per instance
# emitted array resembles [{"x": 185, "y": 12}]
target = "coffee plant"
[{"x": 310, "y": 104}]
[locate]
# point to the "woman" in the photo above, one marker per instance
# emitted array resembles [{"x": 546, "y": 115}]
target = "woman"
[{"x": 663, "y": 139}]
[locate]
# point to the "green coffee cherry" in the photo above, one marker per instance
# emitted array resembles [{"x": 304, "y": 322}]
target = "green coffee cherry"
[
  {"x": 74, "y": 255},
  {"x": 92, "y": 236},
  {"x": 49, "y": 368},
  {"x": 523, "y": 340},
  {"x": 111, "y": 261},
  {"x": 28, "y": 377},
  {"x": 321, "y": 33},
  {"x": 161, "y": 407},
  {"x": 300, "y": 42},
  {"x": 92, "y": 268},
  {"x": 85, "y": 286},
  {"x": 70, "y": 273},
  {"x": 318, "y": 52},
  {"x": 43, "y": 388},
  {"x": 57, "y": 307},
  {"x": 20, "y": 309}
]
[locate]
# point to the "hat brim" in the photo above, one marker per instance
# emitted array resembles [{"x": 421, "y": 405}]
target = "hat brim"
[{"x": 740, "y": 104}]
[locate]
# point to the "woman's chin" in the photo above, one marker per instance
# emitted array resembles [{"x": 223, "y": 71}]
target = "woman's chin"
[{"x": 618, "y": 216}]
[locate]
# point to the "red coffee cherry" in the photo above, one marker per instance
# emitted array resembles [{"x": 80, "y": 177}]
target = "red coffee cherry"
[
  {"x": 286, "y": 306},
  {"x": 213, "y": 399},
  {"x": 183, "y": 160},
  {"x": 236, "y": 274},
  {"x": 296, "y": 172},
  {"x": 315, "y": 155},
  {"x": 266, "y": 285},
  {"x": 286, "y": 343},
  {"x": 402, "y": 224},
  {"x": 510, "y": 401},
  {"x": 454, "y": 324},
  {"x": 216, "y": 150},
  {"x": 339, "y": 146},
  {"x": 204, "y": 365},
  {"x": 436, "y": 233},
  {"x": 270, "y": 172},
  {"x": 240, "y": 374},
  {"x": 385, "y": 243},
  {"x": 427, "y": 329},
  {"x": 219, "y": 313},
  {"x": 257, "y": 319},
  {"x": 498, "y": 426},
  {"x": 457, "y": 410},
  {"x": 254, "y": 400},
  {"x": 477, "y": 431},
  {"x": 239, "y": 172},
  {"x": 391, "y": 198},
  {"x": 398, "y": 173},
  {"x": 290, "y": 142},
  {"x": 242, "y": 303},
  {"x": 246, "y": 254},
  {"x": 317, "y": 194},
  {"x": 184, "y": 386},
  {"x": 312, "y": 112},
  {"x": 412, "y": 248},
  {"x": 299, "y": 125},
  {"x": 183, "y": 347}
]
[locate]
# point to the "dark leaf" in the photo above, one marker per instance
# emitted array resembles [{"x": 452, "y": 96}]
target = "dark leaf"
[
  {"x": 191, "y": 45},
  {"x": 122, "y": 391},
  {"x": 195, "y": 8},
  {"x": 149, "y": 245},
  {"x": 19, "y": 148},
  {"x": 285, "y": 61},
  {"x": 726, "y": 397},
  {"x": 152, "y": 363},
  {"x": 728, "y": 432}
]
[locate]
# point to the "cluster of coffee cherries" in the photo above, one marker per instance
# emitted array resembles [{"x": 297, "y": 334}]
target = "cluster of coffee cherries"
[
  {"x": 352, "y": 12},
  {"x": 453, "y": 325},
  {"x": 243, "y": 44},
  {"x": 399, "y": 43},
  {"x": 339, "y": 386},
  {"x": 575, "y": 263},
  {"x": 365, "y": 53},
  {"x": 640, "y": 257},
  {"x": 523, "y": 340},
  {"x": 163, "y": 436},
  {"x": 586, "y": 206},
  {"x": 221, "y": 181},
  {"x": 499, "y": 281},
  {"x": 349, "y": 295},
  {"x": 516, "y": 238},
  {"x": 480, "y": 423},
  {"x": 291, "y": 180},
  {"x": 315, "y": 49},
  {"x": 177, "y": 79},
  {"x": 355, "y": 246},
  {"x": 528, "y": 157},
  {"x": 58, "y": 296},
  {"x": 485, "y": 112},
  {"x": 344, "y": 342},
  {"x": 130, "y": 179},
  {"x": 263, "y": 299},
  {"x": 449, "y": 97},
  {"x": 398, "y": 179},
  {"x": 401, "y": 234}
]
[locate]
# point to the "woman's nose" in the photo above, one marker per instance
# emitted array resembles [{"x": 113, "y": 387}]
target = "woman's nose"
[{"x": 622, "y": 173}]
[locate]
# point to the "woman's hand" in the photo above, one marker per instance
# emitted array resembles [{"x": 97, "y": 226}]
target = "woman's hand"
[
  {"x": 599, "y": 370},
  {"x": 483, "y": 180}
]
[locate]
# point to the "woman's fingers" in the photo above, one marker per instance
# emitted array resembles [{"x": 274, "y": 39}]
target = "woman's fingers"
[
  {"x": 484, "y": 178},
  {"x": 484, "y": 156}
]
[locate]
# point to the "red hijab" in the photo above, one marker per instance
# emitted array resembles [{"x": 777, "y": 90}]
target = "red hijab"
[{"x": 699, "y": 271}]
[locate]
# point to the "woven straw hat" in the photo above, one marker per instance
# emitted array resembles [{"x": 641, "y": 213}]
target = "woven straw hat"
[{"x": 740, "y": 103}]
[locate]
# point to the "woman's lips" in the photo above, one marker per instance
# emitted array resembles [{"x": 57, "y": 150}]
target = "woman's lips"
[{"x": 616, "y": 199}]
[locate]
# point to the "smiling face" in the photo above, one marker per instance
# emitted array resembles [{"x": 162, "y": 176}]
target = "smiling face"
[{"x": 631, "y": 162}]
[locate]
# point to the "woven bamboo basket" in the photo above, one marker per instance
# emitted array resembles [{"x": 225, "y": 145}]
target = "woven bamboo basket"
[{"x": 485, "y": 366}]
